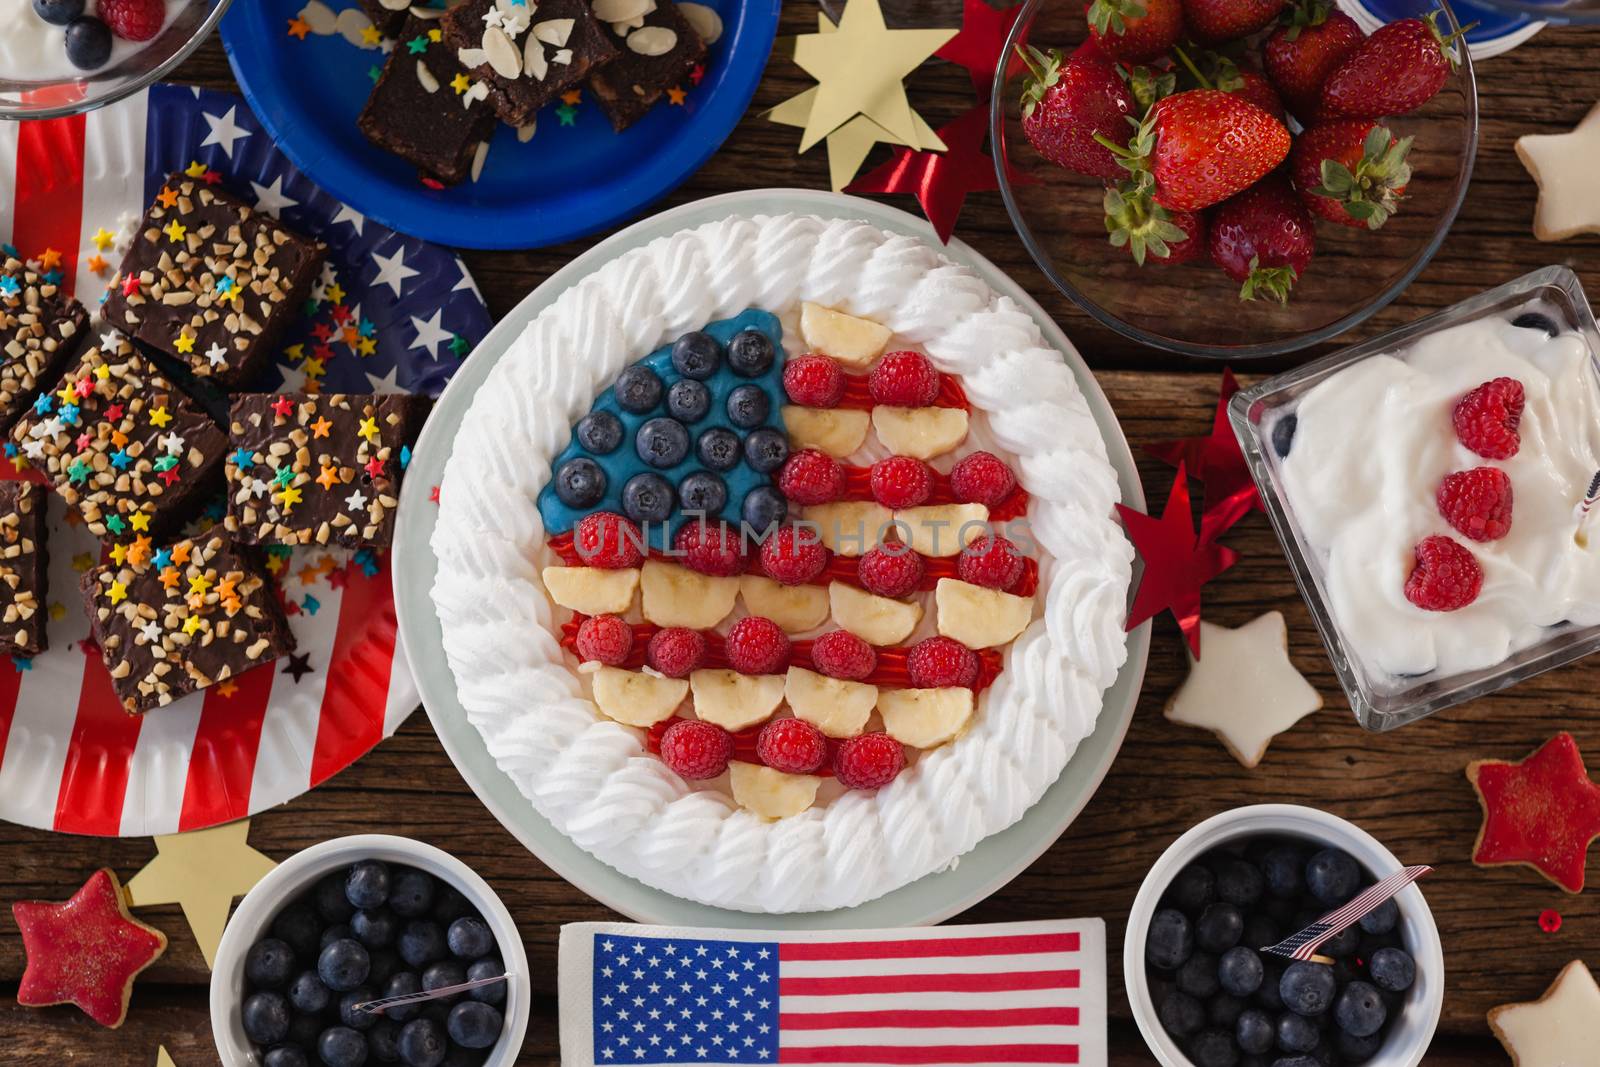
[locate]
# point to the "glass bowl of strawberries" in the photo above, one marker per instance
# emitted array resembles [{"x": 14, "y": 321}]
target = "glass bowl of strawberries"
[{"x": 1233, "y": 178}]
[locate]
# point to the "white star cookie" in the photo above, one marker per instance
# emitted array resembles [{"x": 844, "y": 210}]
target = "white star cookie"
[
  {"x": 1560, "y": 1029},
  {"x": 1564, "y": 165},
  {"x": 1244, "y": 689}
]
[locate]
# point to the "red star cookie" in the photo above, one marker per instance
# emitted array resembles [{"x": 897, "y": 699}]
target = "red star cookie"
[
  {"x": 1543, "y": 812},
  {"x": 86, "y": 951}
]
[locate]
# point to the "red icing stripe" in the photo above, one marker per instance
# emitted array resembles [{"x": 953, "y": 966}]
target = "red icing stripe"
[
  {"x": 222, "y": 764},
  {"x": 358, "y": 672},
  {"x": 94, "y": 779},
  {"x": 858, "y": 397},
  {"x": 858, "y": 487},
  {"x": 49, "y": 192}
]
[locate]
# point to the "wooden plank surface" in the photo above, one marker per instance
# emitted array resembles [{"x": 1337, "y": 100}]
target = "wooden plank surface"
[{"x": 1407, "y": 787}]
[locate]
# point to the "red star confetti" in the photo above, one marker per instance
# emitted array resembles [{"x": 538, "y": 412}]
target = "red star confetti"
[
  {"x": 1219, "y": 463},
  {"x": 1543, "y": 812},
  {"x": 433, "y": 494},
  {"x": 940, "y": 180},
  {"x": 1176, "y": 562},
  {"x": 980, "y": 42},
  {"x": 1550, "y": 921},
  {"x": 85, "y": 951}
]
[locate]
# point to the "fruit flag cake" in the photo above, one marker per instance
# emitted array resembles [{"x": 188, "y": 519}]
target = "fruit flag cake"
[{"x": 801, "y": 582}]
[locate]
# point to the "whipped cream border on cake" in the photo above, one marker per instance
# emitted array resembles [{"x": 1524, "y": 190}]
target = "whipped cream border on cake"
[{"x": 594, "y": 779}]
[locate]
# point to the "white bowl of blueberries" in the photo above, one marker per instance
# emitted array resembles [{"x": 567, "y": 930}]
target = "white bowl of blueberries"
[
  {"x": 354, "y": 920},
  {"x": 1205, "y": 996}
]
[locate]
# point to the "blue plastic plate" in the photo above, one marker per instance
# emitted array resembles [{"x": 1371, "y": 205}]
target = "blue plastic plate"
[
  {"x": 568, "y": 181},
  {"x": 1495, "y": 31}
]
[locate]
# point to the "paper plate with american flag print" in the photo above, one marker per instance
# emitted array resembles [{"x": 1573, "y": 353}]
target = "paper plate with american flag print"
[{"x": 390, "y": 314}]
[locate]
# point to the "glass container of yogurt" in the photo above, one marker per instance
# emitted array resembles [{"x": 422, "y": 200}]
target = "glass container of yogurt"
[{"x": 1429, "y": 486}]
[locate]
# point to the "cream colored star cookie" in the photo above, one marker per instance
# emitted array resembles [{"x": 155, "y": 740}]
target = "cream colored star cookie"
[
  {"x": 1560, "y": 1029},
  {"x": 1564, "y": 165},
  {"x": 1244, "y": 689}
]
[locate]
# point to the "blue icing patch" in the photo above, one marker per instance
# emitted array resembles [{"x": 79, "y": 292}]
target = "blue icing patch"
[{"x": 624, "y": 462}]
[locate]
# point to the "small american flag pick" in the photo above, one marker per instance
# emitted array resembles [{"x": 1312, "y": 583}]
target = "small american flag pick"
[
  {"x": 1303, "y": 945},
  {"x": 1006, "y": 993}
]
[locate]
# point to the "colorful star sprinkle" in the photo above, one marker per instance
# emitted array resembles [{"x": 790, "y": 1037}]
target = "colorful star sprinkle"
[
  {"x": 283, "y": 407},
  {"x": 299, "y": 27},
  {"x": 1542, "y": 812}
]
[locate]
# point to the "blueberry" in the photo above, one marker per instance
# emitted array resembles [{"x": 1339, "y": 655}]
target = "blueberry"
[
  {"x": 1296, "y": 1033},
  {"x": 696, "y": 355},
  {"x": 1332, "y": 876},
  {"x": 688, "y": 401},
  {"x": 1392, "y": 969},
  {"x": 1255, "y": 1031},
  {"x": 488, "y": 967},
  {"x": 751, "y": 353},
  {"x": 285, "y": 1056},
  {"x": 308, "y": 994},
  {"x": 88, "y": 42},
  {"x": 422, "y": 1043},
  {"x": 413, "y": 891},
  {"x": 403, "y": 985},
  {"x": 383, "y": 1041},
  {"x": 1360, "y": 1010},
  {"x": 469, "y": 938},
  {"x": 344, "y": 965},
  {"x": 1225, "y": 1009},
  {"x": 1283, "y": 867},
  {"x": 1170, "y": 941},
  {"x": 1283, "y": 434},
  {"x": 748, "y": 406},
  {"x": 765, "y": 450},
  {"x": 638, "y": 389},
  {"x": 421, "y": 943},
  {"x": 444, "y": 973},
  {"x": 1213, "y": 1048},
  {"x": 332, "y": 904},
  {"x": 58, "y": 12},
  {"x": 718, "y": 449},
  {"x": 1240, "y": 971},
  {"x": 340, "y": 1046},
  {"x": 1357, "y": 1049},
  {"x": 1343, "y": 943},
  {"x": 1260, "y": 931},
  {"x": 1181, "y": 1015},
  {"x": 703, "y": 492},
  {"x": 336, "y": 932},
  {"x": 375, "y": 929},
  {"x": 1528, "y": 320},
  {"x": 385, "y": 963},
  {"x": 1382, "y": 919},
  {"x": 580, "y": 483},
  {"x": 367, "y": 884},
  {"x": 1220, "y": 927},
  {"x": 304, "y": 1031},
  {"x": 451, "y": 905},
  {"x": 1307, "y": 989},
  {"x": 268, "y": 964},
  {"x": 1297, "y": 1061},
  {"x": 662, "y": 442},
  {"x": 357, "y": 1020},
  {"x": 1193, "y": 889},
  {"x": 473, "y": 1024},
  {"x": 601, "y": 433},
  {"x": 647, "y": 498},
  {"x": 265, "y": 1017},
  {"x": 1198, "y": 976},
  {"x": 764, "y": 508},
  {"x": 1240, "y": 884}
]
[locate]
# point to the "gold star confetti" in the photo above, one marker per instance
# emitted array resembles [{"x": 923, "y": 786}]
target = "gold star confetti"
[{"x": 202, "y": 872}]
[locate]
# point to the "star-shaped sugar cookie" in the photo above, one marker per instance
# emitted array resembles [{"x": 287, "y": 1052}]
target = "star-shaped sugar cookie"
[
  {"x": 1543, "y": 812},
  {"x": 1564, "y": 165},
  {"x": 1560, "y": 1029},
  {"x": 1243, "y": 688}
]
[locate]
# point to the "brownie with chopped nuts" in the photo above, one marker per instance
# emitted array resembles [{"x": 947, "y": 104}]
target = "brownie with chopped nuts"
[
  {"x": 527, "y": 56},
  {"x": 23, "y": 567},
  {"x": 387, "y": 15},
  {"x": 211, "y": 281},
  {"x": 122, "y": 444},
  {"x": 423, "y": 110},
  {"x": 652, "y": 59},
  {"x": 40, "y": 328},
  {"x": 183, "y": 617},
  {"x": 319, "y": 470}
]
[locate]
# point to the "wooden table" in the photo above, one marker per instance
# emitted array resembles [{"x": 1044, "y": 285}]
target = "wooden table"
[{"x": 1407, "y": 787}]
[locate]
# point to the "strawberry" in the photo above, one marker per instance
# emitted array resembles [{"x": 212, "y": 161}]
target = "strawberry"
[
  {"x": 1217, "y": 71},
  {"x": 1300, "y": 54},
  {"x": 1211, "y": 21},
  {"x": 1134, "y": 30},
  {"x": 1351, "y": 171},
  {"x": 1264, "y": 238},
  {"x": 1199, "y": 147},
  {"x": 1064, "y": 104},
  {"x": 1146, "y": 228},
  {"x": 1396, "y": 70}
]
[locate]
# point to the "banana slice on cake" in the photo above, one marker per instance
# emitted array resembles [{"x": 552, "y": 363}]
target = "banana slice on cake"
[
  {"x": 732, "y": 700},
  {"x": 771, "y": 794},
  {"x": 590, "y": 590},
  {"x": 678, "y": 596},
  {"x": 836, "y": 431},
  {"x": 849, "y": 527},
  {"x": 634, "y": 698},
  {"x": 979, "y": 617},
  {"x": 795, "y": 608},
  {"x": 923, "y": 718},
  {"x": 876, "y": 620},
  {"x": 837, "y": 707},
  {"x": 942, "y": 529},
  {"x": 852, "y": 341},
  {"x": 919, "y": 432}
]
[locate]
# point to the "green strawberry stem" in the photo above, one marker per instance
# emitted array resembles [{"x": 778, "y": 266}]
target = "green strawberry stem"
[
  {"x": 1044, "y": 71},
  {"x": 1111, "y": 16},
  {"x": 1268, "y": 281},
  {"x": 1303, "y": 13},
  {"x": 1372, "y": 192},
  {"x": 1135, "y": 221},
  {"x": 1447, "y": 44},
  {"x": 1194, "y": 71}
]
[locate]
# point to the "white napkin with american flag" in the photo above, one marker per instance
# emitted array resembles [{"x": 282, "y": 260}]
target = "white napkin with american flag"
[{"x": 1003, "y": 993}]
